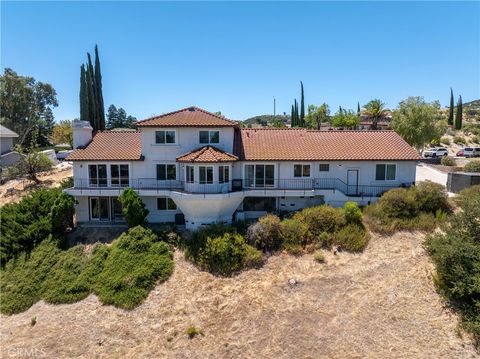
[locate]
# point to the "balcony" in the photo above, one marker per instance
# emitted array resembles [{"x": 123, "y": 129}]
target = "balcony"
[{"x": 238, "y": 185}]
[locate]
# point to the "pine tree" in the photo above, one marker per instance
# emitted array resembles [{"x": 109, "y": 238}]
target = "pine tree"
[
  {"x": 302, "y": 106},
  {"x": 450, "y": 110},
  {"x": 92, "y": 104},
  {"x": 458, "y": 117},
  {"x": 83, "y": 95},
  {"x": 98, "y": 93}
]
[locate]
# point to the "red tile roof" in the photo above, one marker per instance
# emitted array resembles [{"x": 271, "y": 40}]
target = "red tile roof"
[
  {"x": 187, "y": 117},
  {"x": 111, "y": 146},
  {"x": 305, "y": 145},
  {"x": 207, "y": 154}
]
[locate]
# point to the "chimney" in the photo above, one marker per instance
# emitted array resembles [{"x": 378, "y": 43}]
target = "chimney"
[{"x": 82, "y": 133}]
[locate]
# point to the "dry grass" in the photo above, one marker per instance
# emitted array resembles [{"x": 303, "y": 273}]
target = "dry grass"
[
  {"x": 22, "y": 188},
  {"x": 378, "y": 304}
]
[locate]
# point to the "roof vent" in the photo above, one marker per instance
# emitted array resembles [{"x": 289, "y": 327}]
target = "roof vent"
[{"x": 191, "y": 108}]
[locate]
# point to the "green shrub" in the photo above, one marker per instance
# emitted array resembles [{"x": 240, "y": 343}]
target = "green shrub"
[
  {"x": 265, "y": 234},
  {"x": 465, "y": 195},
  {"x": 227, "y": 254},
  {"x": 353, "y": 214},
  {"x": 134, "y": 209},
  {"x": 472, "y": 166},
  {"x": 295, "y": 235},
  {"x": 398, "y": 203},
  {"x": 445, "y": 140},
  {"x": 321, "y": 219},
  {"x": 136, "y": 262},
  {"x": 60, "y": 286},
  {"x": 192, "y": 332},
  {"x": 431, "y": 197},
  {"x": 459, "y": 140},
  {"x": 447, "y": 161},
  {"x": 319, "y": 257},
  {"x": 475, "y": 139},
  {"x": 22, "y": 279},
  {"x": 456, "y": 254},
  {"x": 96, "y": 262},
  {"x": 62, "y": 213},
  {"x": 26, "y": 224},
  {"x": 352, "y": 238}
]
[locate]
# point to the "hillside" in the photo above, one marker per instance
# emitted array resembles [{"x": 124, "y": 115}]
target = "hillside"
[
  {"x": 267, "y": 120},
  {"x": 472, "y": 109}
]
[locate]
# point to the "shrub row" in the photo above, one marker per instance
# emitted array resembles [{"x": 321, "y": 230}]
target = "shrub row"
[
  {"x": 121, "y": 275},
  {"x": 419, "y": 207}
]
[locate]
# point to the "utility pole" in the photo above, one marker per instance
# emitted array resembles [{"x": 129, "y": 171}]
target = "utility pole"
[{"x": 274, "y": 109}]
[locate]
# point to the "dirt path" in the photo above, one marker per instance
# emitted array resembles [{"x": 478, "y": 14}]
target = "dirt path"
[{"x": 380, "y": 304}]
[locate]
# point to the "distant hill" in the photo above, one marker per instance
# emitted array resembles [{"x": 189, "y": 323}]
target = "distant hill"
[
  {"x": 472, "y": 109},
  {"x": 267, "y": 121}
]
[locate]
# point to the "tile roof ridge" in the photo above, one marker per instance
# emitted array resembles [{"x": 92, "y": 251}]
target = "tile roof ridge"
[{"x": 189, "y": 108}]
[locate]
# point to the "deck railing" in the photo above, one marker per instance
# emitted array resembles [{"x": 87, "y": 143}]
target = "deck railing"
[{"x": 236, "y": 185}]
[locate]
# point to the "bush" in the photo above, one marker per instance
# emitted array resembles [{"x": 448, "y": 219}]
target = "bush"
[
  {"x": 26, "y": 224},
  {"x": 475, "y": 139},
  {"x": 431, "y": 197},
  {"x": 456, "y": 254},
  {"x": 192, "y": 332},
  {"x": 136, "y": 262},
  {"x": 295, "y": 235},
  {"x": 321, "y": 219},
  {"x": 134, "y": 209},
  {"x": 227, "y": 254},
  {"x": 445, "y": 140},
  {"x": 352, "y": 238},
  {"x": 265, "y": 234},
  {"x": 194, "y": 242},
  {"x": 447, "y": 161},
  {"x": 353, "y": 214},
  {"x": 472, "y": 166},
  {"x": 465, "y": 195},
  {"x": 319, "y": 257},
  {"x": 398, "y": 203},
  {"x": 62, "y": 213},
  {"x": 459, "y": 140}
]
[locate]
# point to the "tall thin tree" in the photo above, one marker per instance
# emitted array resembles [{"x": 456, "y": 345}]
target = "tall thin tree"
[
  {"x": 83, "y": 95},
  {"x": 98, "y": 93},
  {"x": 450, "y": 110},
  {"x": 459, "y": 116},
  {"x": 302, "y": 106},
  {"x": 92, "y": 108},
  {"x": 297, "y": 122},
  {"x": 292, "y": 117},
  {"x": 358, "y": 108}
]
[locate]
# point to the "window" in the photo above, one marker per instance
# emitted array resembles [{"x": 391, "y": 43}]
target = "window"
[
  {"x": 223, "y": 174},
  {"x": 259, "y": 204},
  {"x": 206, "y": 174},
  {"x": 386, "y": 172},
  {"x": 301, "y": 170},
  {"x": 324, "y": 167},
  {"x": 165, "y": 137},
  {"x": 259, "y": 175},
  {"x": 119, "y": 174},
  {"x": 97, "y": 175},
  {"x": 190, "y": 174},
  {"x": 166, "y": 204},
  {"x": 166, "y": 172},
  {"x": 209, "y": 137}
]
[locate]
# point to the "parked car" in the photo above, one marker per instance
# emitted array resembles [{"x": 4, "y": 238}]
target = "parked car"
[
  {"x": 460, "y": 153},
  {"x": 61, "y": 155},
  {"x": 436, "y": 152},
  {"x": 471, "y": 151}
]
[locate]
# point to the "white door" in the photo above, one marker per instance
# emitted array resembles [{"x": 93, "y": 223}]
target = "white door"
[{"x": 352, "y": 182}]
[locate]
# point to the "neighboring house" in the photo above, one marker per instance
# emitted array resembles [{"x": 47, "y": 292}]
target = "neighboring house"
[
  {"x": 195, "y": 165},
  {"x": 8, "y": 156},
  {"x": 383, "y": 123}
]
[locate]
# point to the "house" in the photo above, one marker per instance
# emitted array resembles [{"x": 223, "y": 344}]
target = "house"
[
  {"x": 8, "y": 156},
  {"x": 195, "y": 166},
  {"x": 383, "y": 123}
]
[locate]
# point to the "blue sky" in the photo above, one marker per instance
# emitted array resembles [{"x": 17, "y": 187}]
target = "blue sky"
[{"x": 234, "y": 57}]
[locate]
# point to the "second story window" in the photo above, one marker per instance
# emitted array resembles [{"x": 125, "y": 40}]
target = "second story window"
[
  {"x": 223, "y": 174},
  {"x": 208, "y": 137},
  {"x": 166, "y": 172},
  {"x": 301, "y": 170},
  {"x": 165, "y": 137},
  {"x": 206, "y": 174},
  {"x": 324, "y": 167},
  {"x": 119, "y": 175},
  {"x": 190, "y": 174},
  {"x": 97, "y": 175},
  {"x": 386, "y": 172}
]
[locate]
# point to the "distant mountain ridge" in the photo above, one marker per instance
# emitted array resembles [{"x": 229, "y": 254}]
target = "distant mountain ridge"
[{"x": 472, "y": 109}]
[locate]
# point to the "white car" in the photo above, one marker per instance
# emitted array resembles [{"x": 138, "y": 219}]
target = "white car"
[
  {"x": 436, "y": 152},
  {"x": 471, "y": 151}
]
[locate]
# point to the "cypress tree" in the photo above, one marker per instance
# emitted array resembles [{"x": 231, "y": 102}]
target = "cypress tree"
[
  {"x": 358, "y": 108},
  {"x": 302, "y": 106},
  {"x": 296, "y": 114},
  {"x": 458, "y": 117},
  {"x": 292, "y": 118},
  {"x": 98, "y": 93},
  {"x": 92, "y": 108},
  {"x": 83, "y": 95},
  {"x": 450, "y": 110}
]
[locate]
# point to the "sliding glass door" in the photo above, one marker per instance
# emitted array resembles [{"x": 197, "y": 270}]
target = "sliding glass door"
[
  {"x": 97, "y": 175},
  {"x": 99, "y": 209},
  {"x": 260, "y": 175}
]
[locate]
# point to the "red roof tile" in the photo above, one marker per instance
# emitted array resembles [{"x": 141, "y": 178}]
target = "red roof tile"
[
  {"x": 207, "y": 154},
  {"x": 187, "y": 117},
  {"x": 305, "y": 145},
  {"x": 111, "y": 146}
]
